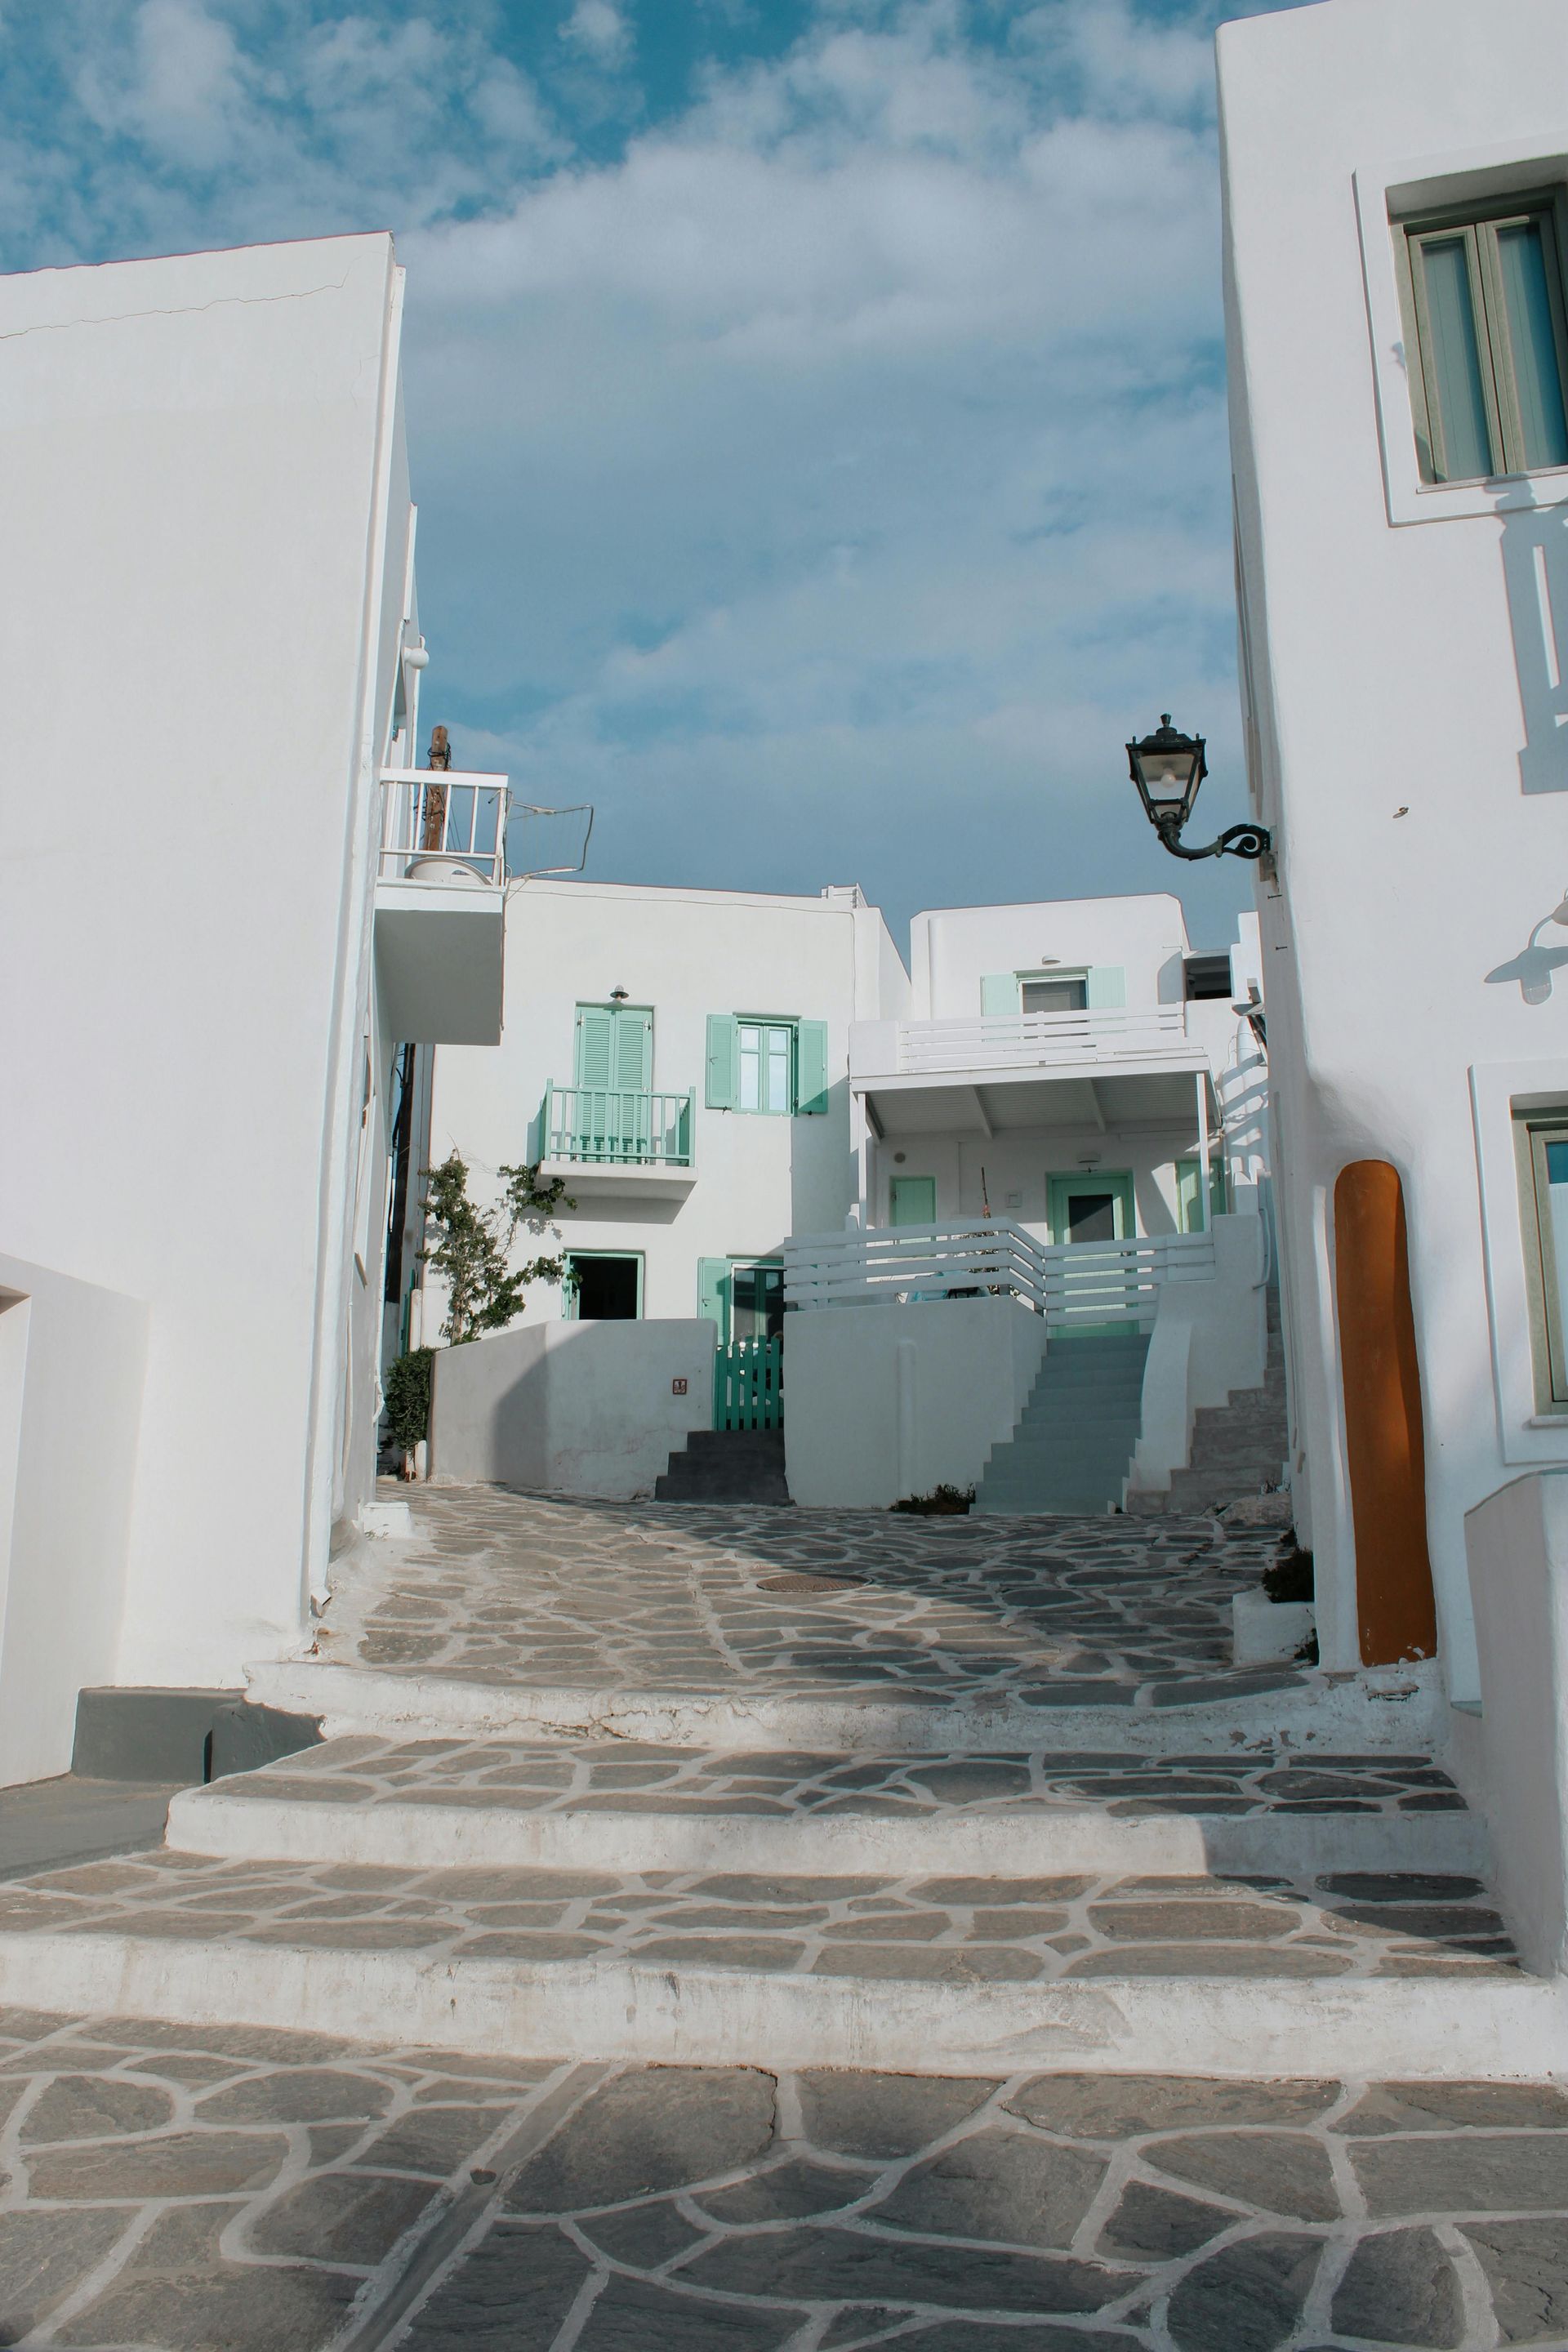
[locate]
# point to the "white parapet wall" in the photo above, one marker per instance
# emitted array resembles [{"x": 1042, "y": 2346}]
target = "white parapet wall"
[
  {"x": 886, "y": 1400},
  {"x": 1210, "y": 1339},
  {"x": 73, "y": 1360},
  {"x": 1513, "y": 1757},
  {"x": 571, "y": 1407}
]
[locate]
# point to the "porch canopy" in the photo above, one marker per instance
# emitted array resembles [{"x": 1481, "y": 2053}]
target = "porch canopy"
[{"x": 996, "y": 1102}]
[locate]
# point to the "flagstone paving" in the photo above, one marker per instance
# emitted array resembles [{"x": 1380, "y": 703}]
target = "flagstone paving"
[
  {"x": 502, "y": 1588},
  {"x": 624, "y": 1776},
  {"x": 176, "y": 2188},
  {"x": 934, "y": 1928}
]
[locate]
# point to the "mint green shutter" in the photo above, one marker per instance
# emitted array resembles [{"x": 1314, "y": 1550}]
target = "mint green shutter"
[
  {"x": 723, "y": 1058},
  {"x": 810, "y": 1068},
  {"x": 633, "y": 1059},
  {"x": 999, "y": 993},
  {"x": 1107, "y": 989},
  {"x": 714, "y": 1292},
  {"x": 596, "y": 1044},
  {"x": 1187, "y": 1196}
]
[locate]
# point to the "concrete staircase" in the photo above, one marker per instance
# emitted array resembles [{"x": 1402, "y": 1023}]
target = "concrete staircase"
[
  {"x": 726, "y": 1465},
  {"x": 1238, "y": 1448},
  {"x": 1074, "y": 1442}
]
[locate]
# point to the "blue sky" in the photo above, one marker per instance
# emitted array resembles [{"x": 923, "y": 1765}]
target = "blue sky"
[{"x": 816, "y": 406}]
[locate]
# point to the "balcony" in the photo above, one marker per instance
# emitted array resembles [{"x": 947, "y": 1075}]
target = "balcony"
[
  {"x": 441, "y": 905},
  {"x": 605, "y": 1140},
  {"x": 1094, "y": 1068}
]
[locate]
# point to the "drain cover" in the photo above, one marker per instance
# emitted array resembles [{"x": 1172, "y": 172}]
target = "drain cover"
[{"x": 810, "y": 1583}]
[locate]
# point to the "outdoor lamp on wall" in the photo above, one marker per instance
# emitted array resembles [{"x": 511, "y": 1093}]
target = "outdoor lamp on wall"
[{"x": 1167, "y": 768}]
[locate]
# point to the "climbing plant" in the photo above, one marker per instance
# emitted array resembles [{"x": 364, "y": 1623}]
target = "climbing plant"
[{"x": 471, "y": 1247}]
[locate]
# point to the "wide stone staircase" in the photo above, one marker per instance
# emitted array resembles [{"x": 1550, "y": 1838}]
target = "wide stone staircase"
[
  {"x": 941, "y": 1801},
  {"x": 1075, "y": 1439}
]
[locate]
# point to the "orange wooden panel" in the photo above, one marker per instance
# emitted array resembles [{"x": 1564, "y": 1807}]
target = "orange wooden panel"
[{"x": 1396, "y": 1611}]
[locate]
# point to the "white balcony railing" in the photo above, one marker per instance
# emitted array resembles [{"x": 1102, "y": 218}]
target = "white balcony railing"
[
  {"x": 443, "y": 827},
  {"x": 1067, "y": 1281},
  {"x": 1015, "y": 1041}
]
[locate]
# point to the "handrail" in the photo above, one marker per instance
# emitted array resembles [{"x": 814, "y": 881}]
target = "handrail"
[
  {"x": 1017, "y": 1040},
  {"x": 455, "y": 815},
  {"x": 618, "y": 1125},
  {"x": 1067, "y": 1282}
]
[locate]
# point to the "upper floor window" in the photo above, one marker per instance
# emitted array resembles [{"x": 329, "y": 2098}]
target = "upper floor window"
[
  {"x": 1068, "y": 994},
  {"x": 767, "y": 1062},
  {"x": 1486, "y": 326},
  {"x": 1540, "y": 1144},
  {"x": 766, "y": 1054},
  {"x": 1103, "y": 986}
]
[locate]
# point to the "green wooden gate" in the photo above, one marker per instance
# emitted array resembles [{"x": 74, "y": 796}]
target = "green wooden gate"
[{"x": 748, "y": 1384}]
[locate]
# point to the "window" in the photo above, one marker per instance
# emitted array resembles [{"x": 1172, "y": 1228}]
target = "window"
[
  {"x": 1054, "y": 995},
  {"x": 1542, "y": 1146},
  {"x": 615, "y": 1047},
  {"x": 603, "y": 1286},
  {"x": 766, "y": 1062},
  {"x": 744, "y": 1297},
  {"x": 1483, "y": 297},
  {"x": 1206, "y": 977},
  {"x": 766, "y": 1054}
]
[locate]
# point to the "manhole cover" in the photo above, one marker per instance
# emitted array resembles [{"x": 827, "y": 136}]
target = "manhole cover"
[{"x": 810, "y": 1583}]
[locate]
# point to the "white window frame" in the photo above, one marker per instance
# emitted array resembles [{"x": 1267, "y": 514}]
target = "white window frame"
[
  {"x": 1499, "y": 1091},
  {"x": 1386, "y": 191}
]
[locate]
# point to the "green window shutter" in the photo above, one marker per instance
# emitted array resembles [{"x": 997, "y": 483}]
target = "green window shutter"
[
  {"x": 810, "y": 1068},
  {"x": 596, "y": 1044},
  {"x": 999, "y": 993},
  {"x": 1107, "y": 990},
  {"x": 1186, "y": 1196},
  {"x": 714, "y": 1292},
  {"x": 633, "y": 1059},
  {"x": 723, "y": 1058}
]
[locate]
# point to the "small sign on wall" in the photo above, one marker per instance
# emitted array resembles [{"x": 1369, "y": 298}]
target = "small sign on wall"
[{"x": 678, "y": 1387}]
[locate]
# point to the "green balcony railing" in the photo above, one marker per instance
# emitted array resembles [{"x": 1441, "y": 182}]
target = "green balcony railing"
[{"x": 614, "y": 1128}]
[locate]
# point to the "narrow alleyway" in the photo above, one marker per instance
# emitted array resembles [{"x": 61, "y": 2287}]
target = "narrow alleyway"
[{"x": 712, "y": 1930}]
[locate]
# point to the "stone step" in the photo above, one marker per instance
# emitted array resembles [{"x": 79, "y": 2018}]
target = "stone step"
[
  {"x": 1368, "y": 1975},
  {"x": 1395, "y": 1709},
  {"x": 611, "y": 1804},
  {"x": 726, "y": 1465}
]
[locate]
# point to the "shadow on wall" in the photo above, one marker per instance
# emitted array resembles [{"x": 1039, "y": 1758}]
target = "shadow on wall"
[
  {"x": 1535, "y": 574},
  {"x": 1533, "y": 966}
]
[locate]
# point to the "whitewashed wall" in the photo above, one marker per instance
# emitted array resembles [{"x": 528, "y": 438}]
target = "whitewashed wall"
[
  {"x": 73, "y": 1361},
  {"x": 204, "y": 500},
  {"x": 571, "y": 1407},
  {"x": 952, "y": 948},
  {"x": 1404, "y": 733},
  {"x": 883, "y": 1401}
]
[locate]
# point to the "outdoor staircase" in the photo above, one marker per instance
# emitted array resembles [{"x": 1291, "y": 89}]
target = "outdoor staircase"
[
  {"x": 1239, "y": 1447},
  {"x": 1169, "y": 1883},
  {"x": 726, "y": 1465},
  {"x": 1074, "y": 1442}
]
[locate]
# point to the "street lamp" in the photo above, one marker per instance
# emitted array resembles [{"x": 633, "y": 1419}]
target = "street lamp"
[{"x": 1167, "y": 768}]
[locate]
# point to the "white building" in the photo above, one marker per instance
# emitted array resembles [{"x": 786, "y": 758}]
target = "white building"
[
  {"x": 208, "y": 655},
  {"x": 750, "y": 1106},
  {"x": 678, "y": 1058}
]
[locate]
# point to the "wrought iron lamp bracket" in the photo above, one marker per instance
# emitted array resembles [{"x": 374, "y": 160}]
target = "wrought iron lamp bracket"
[{"x": 1254, "y": 841}]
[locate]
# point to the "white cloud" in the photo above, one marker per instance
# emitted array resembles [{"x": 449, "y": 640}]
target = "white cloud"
[{"x": 600, "y": 30}]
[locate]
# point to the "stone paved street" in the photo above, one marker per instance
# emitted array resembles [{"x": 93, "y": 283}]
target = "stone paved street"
[
  {"x": 498, "y": 1587},
  {"x": 944, "y": 1930},
  {"x": 622, "y": 1775},
  {"x": 180, "y": 2187}
]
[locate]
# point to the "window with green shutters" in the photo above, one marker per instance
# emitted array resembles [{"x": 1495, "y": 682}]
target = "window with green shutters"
[
  {"x": 1484, "y": 304},
  {"x": 1095, "y": 988},
  {"x": 766, "y": 1063}
]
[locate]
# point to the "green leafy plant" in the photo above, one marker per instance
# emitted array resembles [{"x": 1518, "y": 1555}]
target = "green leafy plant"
[
  {"x": 943, "y": 1503},
  {"x": 471, "y": 1247},
  {"x": 405, "y": 1392}
]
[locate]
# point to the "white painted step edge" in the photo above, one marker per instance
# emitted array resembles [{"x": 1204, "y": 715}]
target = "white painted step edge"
[
  {"x": 1345, "y": 1716},
  {"x": 1025, "y": 1844},
  {"x": 1410, "y": 2028}
]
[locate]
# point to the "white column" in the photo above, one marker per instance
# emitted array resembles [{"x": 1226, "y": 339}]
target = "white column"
[{"x": 1203, "y": 1152}]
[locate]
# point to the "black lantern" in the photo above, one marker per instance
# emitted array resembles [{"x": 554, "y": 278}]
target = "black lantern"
[{"x": 1167, "y": 768}]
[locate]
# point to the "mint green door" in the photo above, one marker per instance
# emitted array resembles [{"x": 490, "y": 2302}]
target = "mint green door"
[
  {"x": 1094, "y": 1207},
  {"x": 911, "y": 1201}
]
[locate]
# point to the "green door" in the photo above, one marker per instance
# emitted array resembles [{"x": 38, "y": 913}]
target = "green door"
[
  {"x": 1094, "y": 1207},
  {"x": 615, "y": 1047},
  {"x": 911, "y": 1201},
  {"x": 1188, "y": 1219}
]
